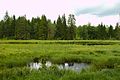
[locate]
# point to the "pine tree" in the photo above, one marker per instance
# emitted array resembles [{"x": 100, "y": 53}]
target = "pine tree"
[
  {"x": 7, "y": 26},
  {"x": 117, "y": 32},
  {"x": 22, "y": 29},
  {"x": 64, "y": 28},
  {"x": 91, "y": 31},
  {"x": 110, "y": 32},
  {"x": 72, "y": 27},
  {"x": 58, "y": 31},
  {"x": 101, "y": 31},
  {"x": 44, "y": 28},
  {"x": 13, "y": 25},
  {"x": 1, "y": 28},
  {"x": 51, "y": 30}
]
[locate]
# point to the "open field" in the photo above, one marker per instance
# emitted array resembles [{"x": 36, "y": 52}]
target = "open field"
[{"x": 102, "y": 56}]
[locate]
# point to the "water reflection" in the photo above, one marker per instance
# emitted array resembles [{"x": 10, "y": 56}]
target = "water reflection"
[
  {"x": 35, "y": 65},
  {"x": 48, "y": 64},
  {"x": 68, "y": 66},
  {"x": 73, "y": 66},
  {"x": 38, "y": 65}
]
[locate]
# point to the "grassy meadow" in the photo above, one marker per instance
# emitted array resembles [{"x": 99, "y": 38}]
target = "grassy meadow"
[{"x": 102, "y": 55}]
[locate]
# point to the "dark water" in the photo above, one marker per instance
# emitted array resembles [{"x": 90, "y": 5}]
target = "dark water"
[
  {"x": 90, "y": 43},
  {"x": 68, "y": 66}
]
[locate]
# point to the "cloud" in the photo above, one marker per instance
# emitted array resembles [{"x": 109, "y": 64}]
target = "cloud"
[
  {"x": 90, "y": 10},
  {"x": 100, "y": 10}
]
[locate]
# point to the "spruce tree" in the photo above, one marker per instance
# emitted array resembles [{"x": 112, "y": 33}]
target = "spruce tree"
[{"x": 72, "y": 27}]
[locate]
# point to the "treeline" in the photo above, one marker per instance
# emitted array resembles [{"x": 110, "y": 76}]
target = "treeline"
[
  {"x": 100, "y": 32},
  {"x": 41, "y": 28}
]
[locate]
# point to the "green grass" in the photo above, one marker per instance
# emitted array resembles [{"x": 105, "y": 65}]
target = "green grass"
[
  {"x": 104, "y": 59},
  {"x": 56, "y": 74}
]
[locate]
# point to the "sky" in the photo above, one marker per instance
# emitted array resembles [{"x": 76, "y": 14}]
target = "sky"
[{"x": 85, "y": 11}]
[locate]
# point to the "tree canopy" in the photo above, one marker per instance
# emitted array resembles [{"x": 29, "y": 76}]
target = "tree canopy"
[{"x": 41, "y": 28}]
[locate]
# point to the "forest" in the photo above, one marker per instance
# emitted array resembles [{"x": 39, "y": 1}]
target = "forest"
[{"x": 41, "y": 28}]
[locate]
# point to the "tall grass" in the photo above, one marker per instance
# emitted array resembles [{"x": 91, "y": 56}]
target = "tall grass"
[
  {"x": 56, "y": 74},
  {"x": 104, "y": 59}
]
